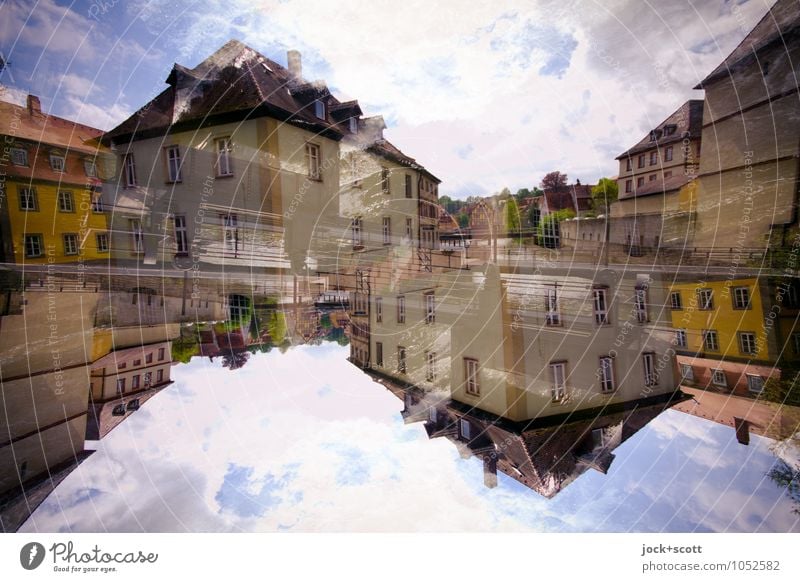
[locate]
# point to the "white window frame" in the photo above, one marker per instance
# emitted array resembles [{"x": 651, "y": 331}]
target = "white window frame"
[
  {"x": 705, "y": 299},
  {"x": 313, "y": 161},
  {"x": 387, "y": 230},
  {"x": 675, "y": 301},
  {"x": 66, "y": 201},
  {"x": 28, "y": 200},
  {"x": 58, "y": 163},
  {"x": 600, "y": 305},
  {"x": 223, "y": 149},
  {"x": 386, "y": 187},
  {"x": 319, "y": 109},
  {"x": 401, "y": 309},
  {"x": 230, "y": 233},
  {"x": 464, "y": 429},
  {"x": 430, "y": 308},
  {"x": 410, "y": 229},
  {"x": 755, "y": 380},
  {"x": 472, "y": 384},
  {"x": 97, "y": 203},
  {"x": 640, "y": 307},
  {"x": 558, "y": 375},
  {"x": 402, "y": 360},
  {"x": 552, "y": 313},
  {"x": 710, "y": 340},
  {"x": 70, "y": 243},
  {"x": 129, "y": 170},
  {"x": 353, "y": 125},
  {"x": 137, "y": 235},
  {"x": 19, "y": 156},
  {"x": 687, "y": 372},
  {"x": 356, "y": 228},
  {"x": 90, "y": 168},
  {"x": 379, "y": 309},
  {"x": 718, "y": 378},
  {"x": 173, "y": 159},
  {"x": 606, "y": 375},
  {"x": 751, "y": 341},
  {"x": 101, "y": 241},
  {"x": 430, "y": 366},
  {"x": 649, "y": 365},
  {"x": 120, "y": 385},
  {"x": 181, "y": 235},
  {"x": 681, "y": 339},
  {"x": 740, "y": 294},
  {"x": 33, "y": 242}
]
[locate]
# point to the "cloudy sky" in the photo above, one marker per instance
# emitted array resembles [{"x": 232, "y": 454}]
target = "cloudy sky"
[
  {"x": 304, "y": 441},
  {"x": 484, "y": 94}
]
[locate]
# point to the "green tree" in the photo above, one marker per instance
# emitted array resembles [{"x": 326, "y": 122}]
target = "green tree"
[
  {"x": 512, "y": 216},
  {"x": 463, "y": 220},
  {"x": 523, "y": 193},
  {"x": 604, "y": 194},
  {"x": 549, "y": 230},
  {"x": 277, "y": 327}
]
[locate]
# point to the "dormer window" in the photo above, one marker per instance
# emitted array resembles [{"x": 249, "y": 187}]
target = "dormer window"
[
  {"x": 655, "y": 134},
  {"x": 354, "y": 125},
  {"x": 57, "y": 163},
  {"x": 670, "y": 129},
  {"x": 319, "y": 109}
]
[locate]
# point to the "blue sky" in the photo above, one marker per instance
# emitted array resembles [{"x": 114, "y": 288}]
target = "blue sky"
[
  {"x": 264, "y": 448},
  {"x": 484, "y": 96}
]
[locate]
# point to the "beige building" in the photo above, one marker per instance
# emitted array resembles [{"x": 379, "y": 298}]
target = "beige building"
[{"x": 747, "y": 184}]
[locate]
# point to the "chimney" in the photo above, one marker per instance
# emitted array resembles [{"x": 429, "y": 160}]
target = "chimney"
[
  {"x": 490, "y": 471},
  {"x": 742, "y": 427},
  {"x": 34, "y": 105},
  {"x": 295, "y": 64}
]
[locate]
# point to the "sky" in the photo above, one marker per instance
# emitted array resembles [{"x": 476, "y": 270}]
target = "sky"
[
  {"x": 305, "y": 441},
  {"x": 485, "y": 95}
]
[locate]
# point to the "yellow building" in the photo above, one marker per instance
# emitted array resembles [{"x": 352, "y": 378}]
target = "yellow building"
[
  {"x": 727, "y": 332},
  {"x": 50, "y": 188}
]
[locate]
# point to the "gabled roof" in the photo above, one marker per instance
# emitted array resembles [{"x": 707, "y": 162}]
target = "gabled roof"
[
  {"x": 388, "y": 150},
  {"x": 234, "y": 83},
  {"x": 780, "y": 21},
  {"x": 565, "y": 197},
  {"x": 686, "y": 121}
]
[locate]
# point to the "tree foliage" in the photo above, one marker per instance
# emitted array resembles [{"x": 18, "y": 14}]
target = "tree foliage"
[
  {"x": 553, "y": 179},
  {"x": 513, "y": 222},
  {"x": 604, "y": 194}
]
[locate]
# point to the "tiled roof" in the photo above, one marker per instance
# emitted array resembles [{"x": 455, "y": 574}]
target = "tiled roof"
[
  {"x": 781, "y": 20},
  {"x": 235, "y": 82},
  {"x": 564, "y": 197},
  {"x": 687, "y": 118},
  {"x": 674, "y": 182}
]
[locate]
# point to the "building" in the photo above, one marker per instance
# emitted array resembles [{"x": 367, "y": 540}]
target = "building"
[
  {"x": 748, "y": 173},
  {"x": 52, "y": 212},
  {"x": 122, "y": 381},
  {"x": 236, "y": 162},
  {"x": 657, "y": 182}
]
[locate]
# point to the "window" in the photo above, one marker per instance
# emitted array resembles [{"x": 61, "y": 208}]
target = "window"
[
  {"x": 118, "y": 410},
  {"x": 379, "y": 354},
  {"x": 705, "y": 298},
  {"x": 223, "y": 148},
  {"x": 464, "y": 429},
  {"x": 401, "y": 309},
  {"x": 653, "y": 158},
  {"x": 755, "y": 383},
  {"x": 97, "y": 204},
  {"x": 19, "y": 157},
  {"x": 652, "y": 177},
  {"x": 649, "y": 364},
  {"x": 159, "y": 376},
  {"x": 600, "y": 304},
  {"x": 401, "y": 359},
  {"x": 66, "y": 202},
  {"x": 135, "y": 381},
  {"x": 641, "y": 161},
  {"x": 741, "y": 298},
  {"x": 230, "y": 232},
  {"x": 387, "y": 230},
  {"x": 181, "y": 239},
  {"x": 718, "y": 378},
  {"x": 640, "y": 306},
  {"x": 385, "y": 187},
  {"x": 606, "y": 374},
  {"x": 355, "y": 227},
  {"x": 120, "y": 385},
  {"x": 408, "y": 186},
  {"x": 70, "y": 244},
  {"x": 558, "y": 372},
  {"x": 409, "y": 228},
  {"x": 710, "y": 340},
  {"x": 680, "y": 338},
  {"x": 313, "y": 161},
  {"x": 628, "y": 185},
  {"x": 668, "y": 154},
  {"x": 354, "y": 125},
  {"x": 628, "y": 165},
  {"x": 471, "y": 384},
  {"x": 668, "y": 174},
  {"x": 34, "y": 247},
  {"x": 639, "y": 182},
  {"x": 148, "y": 379},
  {"x": 360, "y": 303},
  {"x": 90, "y": 168},
  {"x": 27, "y": 199},
  {"x": 161, "y": 354},
  {"x": 675, "y": 300},
  {"x": 149, "y": 358},
  {"x": 379, "y": 309},
  {"x": 57, "y": 163},
  {"x": 430, "y": 308},
  {"x": 129, "y": 170},
  {"x": 122, "y": 365},
  {"x": 552, "y": 314},
  {"x": 433, "y": 414},
  {"x": 173, "y": 158},
  {"x": 138, "y": 235},
  {"x": 319, "y": 109},
  {"x": 133, "y": 404},
  {"x": 430, "y": 366},
  {"x": 687, "y": 373},
  {"x": 747, "y": 343},
  {"x": 101, "y": 240}
]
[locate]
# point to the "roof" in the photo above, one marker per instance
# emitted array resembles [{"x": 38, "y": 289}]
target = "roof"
[
  {"x": 687, "y": 119},
  {"x": 565, "y": 197},
  {"x": 674, "y": 182},
  {"x": 779, "y": 22},
  {"x": 234, "y": 83},
  {"x": 387, "y": 149}
]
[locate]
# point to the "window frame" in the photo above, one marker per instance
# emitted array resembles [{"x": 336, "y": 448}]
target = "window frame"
[
  {"x": 71, "y": 248},
  {"x": 653, "y": 158},
  {"x": 606, "y": 375},
  {"x": 641, "y": 161},
  {"x": 601, "y": 316},
  {"x": 357, "y": 232},
  {"x": 472, "y": 385},
  {"x": 181, "y": 235},
  {"x": 741, "y": 335},
  {"x": 673, "y": 304},
  {"x": 40, "y": 242},
  {"x": 430, "y": 307},
  {"x": 313, "y": 161},
  {"x": 430, "y": 366},
  {"x": 60, "y": 167},
  {"x": 378, "y": 309},
  {"x": 750, "y": 380},
  {"x": 172, "y": 159},
  {"x": 129, "y": 170},
  {"x": 17, "y": 150},
  {"x": 681, "y": 338},
  {"x": 735, "y": 298},
  {"x": 687, "y": 373},
  {"x": 558, "y": 381},
  {"x": 401, "y": 309},
  {"x": 713, "y": 344},
  {"x": 552, "y": 314},
  {"x": 409, "y": 188},
  {"x": 223, "y": 147},
  {"x": 379, "y": 354},
  {"x": 705, "y": 305},
  {"x": 320, "y": 109},
  {"x": 386, "y": 186},
  {"x": 402, "y": 360},
  {"x": 28, "y": 194},
  {"x": 649, "y": 368},
  {"x": 628, "y": 186},
  {"x": 101, "y": 248},
  {"x": 668, "y": 154},
  {"x": 65, "y": 196},
  {"x": 87, "y": 164},
  {"x": 137, "y": 235},
  {"x": 387, "y": 230},
  {"x": 640, "y": 305},
  {"x": 714, "y": 379}
]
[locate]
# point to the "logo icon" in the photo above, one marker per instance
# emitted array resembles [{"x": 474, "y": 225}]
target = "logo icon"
[{"x": 31, "y": 555}]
